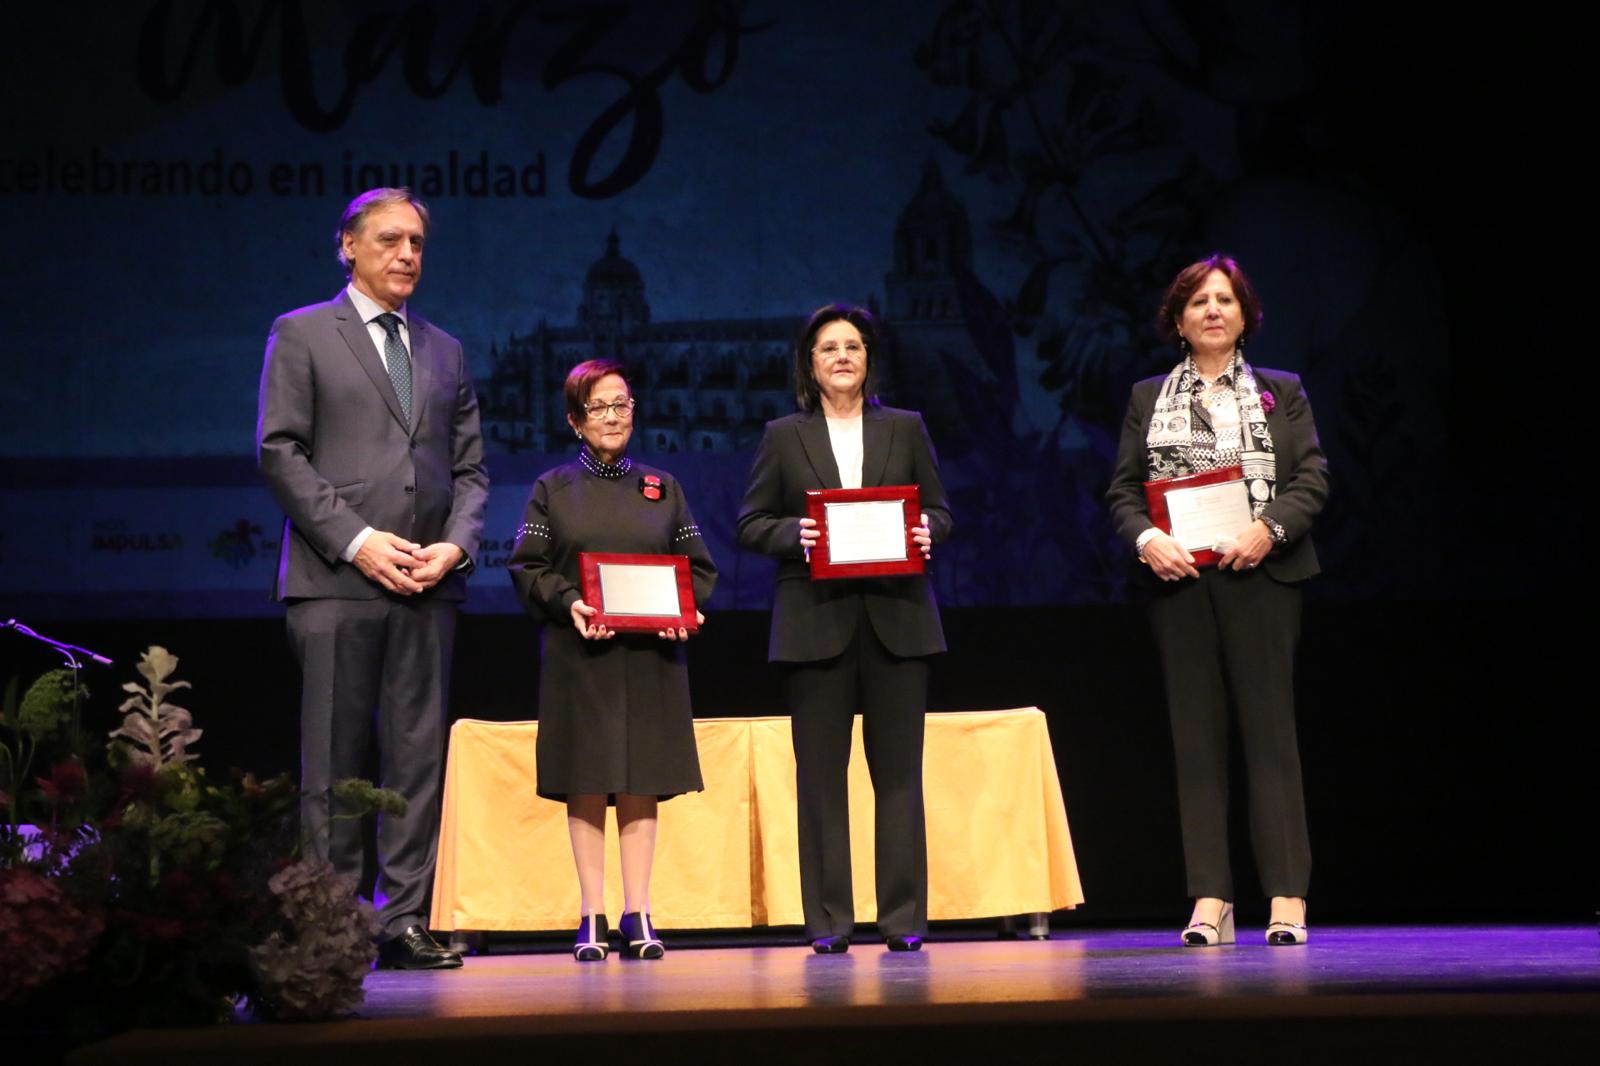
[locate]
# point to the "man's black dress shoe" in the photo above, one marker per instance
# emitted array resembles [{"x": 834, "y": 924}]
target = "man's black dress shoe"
[
  {"x": 414, "y": 949},
  {"x": 907, "y": 942},
  {"x": 831, "y": 945}
]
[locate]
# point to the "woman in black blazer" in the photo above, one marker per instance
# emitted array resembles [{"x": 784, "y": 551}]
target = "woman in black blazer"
[
  {"x": 1231, "y": 630},
  {"x": 849, "y": 645}
]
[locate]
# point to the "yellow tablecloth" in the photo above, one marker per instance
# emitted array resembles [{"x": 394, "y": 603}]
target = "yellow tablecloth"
[{"x": 998, "y": 841}]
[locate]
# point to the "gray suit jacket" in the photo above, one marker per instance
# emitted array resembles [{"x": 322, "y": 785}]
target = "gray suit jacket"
[
  {"x": 815, "y": 620},
  {"x": 334, "y": 447},
  {"x": 1302, "y": 472}
]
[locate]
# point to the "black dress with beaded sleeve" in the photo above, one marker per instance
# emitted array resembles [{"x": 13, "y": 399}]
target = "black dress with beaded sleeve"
[{"x": 614, "y": 715}]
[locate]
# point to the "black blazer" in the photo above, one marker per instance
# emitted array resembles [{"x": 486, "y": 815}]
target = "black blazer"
[
  {"x": 814, "y": 620},
  {"x": 1302, "y": 478}
]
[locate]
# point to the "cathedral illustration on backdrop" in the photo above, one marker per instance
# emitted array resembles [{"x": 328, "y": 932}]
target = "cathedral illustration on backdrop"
[{"x": 710, "y": 384}]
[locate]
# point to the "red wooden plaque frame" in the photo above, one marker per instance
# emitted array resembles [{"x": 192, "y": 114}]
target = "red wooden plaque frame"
[
  {"x": 1155, "y": 495},
  {"x": 589, "y": 566},
  {"x": 823, "y": 568}
]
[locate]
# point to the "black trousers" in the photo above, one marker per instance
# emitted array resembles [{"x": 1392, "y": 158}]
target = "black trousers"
[
  {"x": 383, "y": 666},
  {"x": 1228, "y": 639},
  {"x": 891, "y": 695}
]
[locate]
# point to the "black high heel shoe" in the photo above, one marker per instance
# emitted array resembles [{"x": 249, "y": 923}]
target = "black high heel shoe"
[
  {"x": 639, "y": 940},
  {"x": 591, "y": 943}
]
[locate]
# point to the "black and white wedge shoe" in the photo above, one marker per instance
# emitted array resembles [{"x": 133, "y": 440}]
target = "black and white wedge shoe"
[
  {"x": 1288, "y": 934},
  {"x": 1207, "y": 935},
  {"x": 591, "y": 943},
  {"x": 639, "y": 940}
]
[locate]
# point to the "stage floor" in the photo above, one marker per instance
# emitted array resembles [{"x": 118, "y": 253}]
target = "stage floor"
[
  {"x": 1373, "y": 994},
  {"x": 1080, "y": 965}
]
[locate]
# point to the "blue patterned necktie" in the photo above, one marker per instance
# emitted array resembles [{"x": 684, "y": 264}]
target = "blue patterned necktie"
[{"x": 397, "y": 359}]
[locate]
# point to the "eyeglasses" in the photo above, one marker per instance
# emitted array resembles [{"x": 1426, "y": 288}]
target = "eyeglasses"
[
  {"x": 623, "y": 409},
  {"x": 831, "y": 349}
]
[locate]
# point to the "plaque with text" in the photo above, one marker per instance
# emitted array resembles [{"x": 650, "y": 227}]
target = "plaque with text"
[
  {"x": 1202, "y": 512},
  {"x": 638, "y": 592},
  {"x": 865, "y": 532}
]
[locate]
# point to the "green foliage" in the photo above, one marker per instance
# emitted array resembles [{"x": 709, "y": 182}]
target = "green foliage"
[
  {"x": 357, "y": 796},
  {"x": 47, "y": 706},
  {"x": 159, "y": 732},
  {"x": 39, "y": 722},
  {"x": 162, "y": 892},
  {"x": 182, "y": 838}
]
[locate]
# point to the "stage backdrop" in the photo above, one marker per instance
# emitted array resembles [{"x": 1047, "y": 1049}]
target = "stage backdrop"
[{"x": 1007, "y": 184}]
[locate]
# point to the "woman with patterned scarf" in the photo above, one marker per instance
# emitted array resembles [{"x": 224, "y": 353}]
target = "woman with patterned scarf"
[{"x": 1227, "y": 632}]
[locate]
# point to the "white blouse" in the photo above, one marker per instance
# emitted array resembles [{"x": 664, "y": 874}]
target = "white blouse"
[{"x": 845, "y": 436}]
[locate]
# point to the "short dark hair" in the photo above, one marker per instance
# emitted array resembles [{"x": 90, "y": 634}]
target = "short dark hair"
[
  {"x": 581, "y": 382},
  {"x": 357, "y": 210},
  {"x": 1190, "y": 278},
  {"x": 807, "y": 393}
]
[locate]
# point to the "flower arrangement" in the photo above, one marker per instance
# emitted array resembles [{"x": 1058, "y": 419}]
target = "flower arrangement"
[
  {"x": 135, "y": 890},
  {"x": 314, "y": 967}
]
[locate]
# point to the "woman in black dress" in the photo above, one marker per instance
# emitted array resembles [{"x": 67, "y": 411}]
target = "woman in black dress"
[
  {"x": 614, "y": 718},
  {"x": 1227, "y": 634},
  {"x": 853, "y": 645}
]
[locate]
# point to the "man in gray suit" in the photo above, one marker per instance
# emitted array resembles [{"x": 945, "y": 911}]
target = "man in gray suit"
[{"x": 368, "y": 436}]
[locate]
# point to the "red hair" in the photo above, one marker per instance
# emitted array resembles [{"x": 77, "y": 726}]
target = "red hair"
[{"x": 581, "y": 381}]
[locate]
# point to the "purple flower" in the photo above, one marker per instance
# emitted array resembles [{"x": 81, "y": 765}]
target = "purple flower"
[
  {"x": 315, "y": 967},
  {"x": 1268, "y": 402}
]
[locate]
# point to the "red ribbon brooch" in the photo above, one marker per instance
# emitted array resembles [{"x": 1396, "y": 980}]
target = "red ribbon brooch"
[{"x": 650, "y": 487}]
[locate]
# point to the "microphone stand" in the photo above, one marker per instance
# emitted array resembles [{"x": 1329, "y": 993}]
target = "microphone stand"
[{"x": 69, "y": 653}]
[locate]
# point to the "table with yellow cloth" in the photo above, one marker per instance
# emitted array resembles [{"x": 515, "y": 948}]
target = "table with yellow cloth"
[{"x": 998, "y": 842}]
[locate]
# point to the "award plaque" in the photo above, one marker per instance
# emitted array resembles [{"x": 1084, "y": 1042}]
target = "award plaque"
[
  {"x": 1201, "y": 511},
  {"x": 638, "y": 592},
  {"x": 865, "y": 532}
]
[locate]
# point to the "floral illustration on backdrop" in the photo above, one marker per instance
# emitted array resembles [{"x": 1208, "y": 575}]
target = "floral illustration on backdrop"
[{"x": 1102, "y": 205}]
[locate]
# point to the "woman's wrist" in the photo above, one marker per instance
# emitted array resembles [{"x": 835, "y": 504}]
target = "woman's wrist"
[{"x": 1144, "y": 541}]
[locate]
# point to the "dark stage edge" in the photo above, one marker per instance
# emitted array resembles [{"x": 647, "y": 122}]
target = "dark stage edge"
[{"x": 1478, "y": 994}]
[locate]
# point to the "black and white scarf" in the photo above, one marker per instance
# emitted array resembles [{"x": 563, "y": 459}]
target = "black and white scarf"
[{"x": 1174, "y": 449}]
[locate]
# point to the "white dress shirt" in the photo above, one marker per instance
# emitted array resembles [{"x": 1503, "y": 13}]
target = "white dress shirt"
[{"x": 369, "y": 310}]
